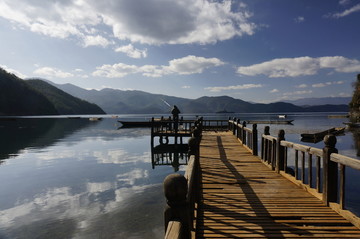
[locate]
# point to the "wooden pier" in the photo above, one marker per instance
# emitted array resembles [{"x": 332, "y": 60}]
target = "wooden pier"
[
  {"x": 230, "y": 192},
  {"x": 243, "y": 198}
]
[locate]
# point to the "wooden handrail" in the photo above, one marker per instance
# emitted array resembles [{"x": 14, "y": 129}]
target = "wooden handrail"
[
  {"x": 346, "y": 161},
  {"x": 179, "y": 215},
  {"x": 327, "y": 161},
  {"x": 275, "y": 153},
  {"x": 248, "y": 137}
]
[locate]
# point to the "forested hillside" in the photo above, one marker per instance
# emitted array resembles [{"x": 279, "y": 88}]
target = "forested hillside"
[
  {"x": 64, "y": 103},
  {"x": 18, "y": 98},
  {"x": 35, "y": 97}
]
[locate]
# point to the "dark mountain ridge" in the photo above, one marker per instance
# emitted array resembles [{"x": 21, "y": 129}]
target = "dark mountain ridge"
[
  {"x": 64, "y": 103},
  {"x": 36, "y": 97},
  {"x": 19, "y": 98},
  {"x": 133, "y": 102}
]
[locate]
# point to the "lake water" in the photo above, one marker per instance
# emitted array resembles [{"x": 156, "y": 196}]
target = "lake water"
[{"x": 75, "y": 178}]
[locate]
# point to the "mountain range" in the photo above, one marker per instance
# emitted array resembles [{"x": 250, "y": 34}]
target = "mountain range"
[
  {"x": 42, "y": 97},
  {"x": 320, "y": 101},
  {"x": 114, "y": 101}
]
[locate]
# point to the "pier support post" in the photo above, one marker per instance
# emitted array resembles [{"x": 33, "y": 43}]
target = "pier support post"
[
  {"x": 175, "y": 189},
  {"x": 254, "y": 140},
  {"x": 330, "y": 171},
  {"x": 280, "y": 156}
]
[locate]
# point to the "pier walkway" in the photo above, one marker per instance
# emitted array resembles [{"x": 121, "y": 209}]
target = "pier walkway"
[{"x": 241, "y": 197}]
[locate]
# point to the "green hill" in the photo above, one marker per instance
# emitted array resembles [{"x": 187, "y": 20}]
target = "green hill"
[
  {"x": 18, "y": 98},
  {"x": 36, "y": 97},
  {"x": 64, "y": 103}
]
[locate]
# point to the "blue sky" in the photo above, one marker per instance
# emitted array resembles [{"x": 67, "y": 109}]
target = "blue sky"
[{"x": 255, "y": 50}]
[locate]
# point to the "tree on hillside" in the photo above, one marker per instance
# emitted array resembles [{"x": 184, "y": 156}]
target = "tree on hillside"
[
  {"x": 355, "y": 102},
  {"x": 18, "y": 98}
]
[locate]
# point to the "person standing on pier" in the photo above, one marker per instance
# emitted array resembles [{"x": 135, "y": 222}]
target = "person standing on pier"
[{"x": 175, "y": 112}]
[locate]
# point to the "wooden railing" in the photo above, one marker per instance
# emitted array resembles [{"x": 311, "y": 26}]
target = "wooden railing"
[
  {"x": 318, "y": 171},
  {"x": 315, "y": 170},
  {"x": 215, "y": 125},
  {"x": 169, "y": 125},
  {"x": 246, "y": 136},
  {"x": 182, "y": 194}
]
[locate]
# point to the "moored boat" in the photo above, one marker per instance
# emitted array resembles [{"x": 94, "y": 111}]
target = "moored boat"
[
  {"x": 139, "y": 124},
  {"x": 269, "y": 121},
  {"x": 321, "y": 135},
  {"x": 95, "y": 118}
]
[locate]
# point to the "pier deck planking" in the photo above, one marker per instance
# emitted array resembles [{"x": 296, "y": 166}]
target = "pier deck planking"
[{"x": 242, "y": 198}]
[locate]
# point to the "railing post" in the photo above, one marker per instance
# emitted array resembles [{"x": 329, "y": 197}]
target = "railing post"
[
  {"x": 254, "y": 140},
  {"x": 234, "y": 128},
  {"x": 243, "y": 136},
  {"x": 280, "y": 151},
  {"x": 175, "y": 189},
  {"x": 264, "y": 143},
  {"x": 330, "y": 171},
  {"x": 194, "y": 144},
  {"x": 238, "y": 129}
]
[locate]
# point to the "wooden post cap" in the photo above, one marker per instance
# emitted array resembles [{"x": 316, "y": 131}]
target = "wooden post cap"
[
  {"x": 175, "y": 189},
  {"x": 281, "y": 134},
  {"x": 330, "y": 141},
  {"x": 267, "y": 130}
]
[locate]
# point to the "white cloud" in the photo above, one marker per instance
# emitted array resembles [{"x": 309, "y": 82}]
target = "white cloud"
[
  {"x": 52, "y": 72},
  {"x": 144, "y": 21},
  {"x": 344, "y": 2},
  {"x": 346, "y": 12},
  {"x": 12, "y": 71},
  {"x": 301, "y": 86},
  {"x": 300, "y": 92},
  {"x": 182, "y": 66},
  {"x": 301, "y": 66},
  {"x": 186, "y": 87},
  {"x": 192, "y": 64},
  {"x": 115, "y": 71},
  {"x": 95, "y": 41},
  {"x": 319, "y": 85},
  {"x": 299, "y": 19},
  {"x": 274, "y": 91},
  {"x": 234, "y": 87},
  {"x": 132, "y": 52}
]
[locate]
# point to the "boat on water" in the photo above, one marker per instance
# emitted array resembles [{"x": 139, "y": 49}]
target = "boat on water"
[
  {"x": 318, "y": 136},
  {"x": 129, "y": 124},
  {"x": 282, "y": 116},
  {"x": 95, "y": 118},
  {"x": 269, "y": 121},
  {"x": 140, "y": 124},
  {"x": 338, "y": 116}
]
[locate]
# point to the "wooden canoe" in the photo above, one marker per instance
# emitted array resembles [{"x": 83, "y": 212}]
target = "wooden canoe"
[
  {"x": 321, "y": 135},
  {"x": 269, "y": 121}
]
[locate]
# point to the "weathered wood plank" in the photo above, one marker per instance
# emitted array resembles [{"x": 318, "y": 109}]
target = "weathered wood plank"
[{"x": 241, "y": 197}]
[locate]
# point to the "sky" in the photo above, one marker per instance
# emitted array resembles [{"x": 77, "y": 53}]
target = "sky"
[{"x": 255, "y": 50}]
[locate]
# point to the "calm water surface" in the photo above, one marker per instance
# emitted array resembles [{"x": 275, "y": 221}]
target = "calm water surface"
[{"x": 74, "y": 178}]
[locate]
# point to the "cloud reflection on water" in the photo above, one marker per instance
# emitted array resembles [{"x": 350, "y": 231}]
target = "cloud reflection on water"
[{"x": 83, "y": 185}]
